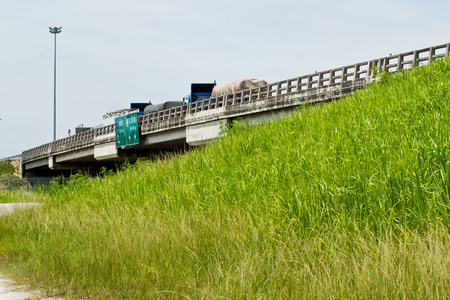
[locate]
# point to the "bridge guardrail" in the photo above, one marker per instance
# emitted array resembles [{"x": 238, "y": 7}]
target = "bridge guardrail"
[
  {"x": 162, "y": 120},
  {"x": 77, "y": 141},
  {"x": 14, "y": 157},
  {"x": 367, "y": 70},
  {"x": 176, "y": 116}
]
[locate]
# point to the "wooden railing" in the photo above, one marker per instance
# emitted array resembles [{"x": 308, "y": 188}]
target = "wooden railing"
[{"x": 175, "y": 117}]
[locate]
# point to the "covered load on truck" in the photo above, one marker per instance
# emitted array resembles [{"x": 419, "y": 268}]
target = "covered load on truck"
[
  {"x": 158, "y": 107},
  {"x": 236, "y": 86}
]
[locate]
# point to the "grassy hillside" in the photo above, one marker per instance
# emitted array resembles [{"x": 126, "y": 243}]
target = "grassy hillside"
[
  {"x": 10, "y": 179},
  {"x": 342, "y": 200},
  {"x": 6, "y": 168}
]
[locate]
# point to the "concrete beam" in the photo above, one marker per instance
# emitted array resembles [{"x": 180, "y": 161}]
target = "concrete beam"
[
  {"x": 199, "y": 134},
  {"x": 85, "y": 154},
  {"x": 35, "y": 164},
  {"x": 164, "y": 140},
  {"x": 105, "y": 137},
  {"x": 105, "y": 151},
  {"x": 76, "y": 166},
  {"x": 264, "y": 116}
]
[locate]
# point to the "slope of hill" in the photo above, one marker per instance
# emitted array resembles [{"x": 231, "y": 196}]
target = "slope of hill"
[
  {"x": 9, "y": 178},
  {"x": 6, "y": 168},
  {"x": 342, "y": 200}
]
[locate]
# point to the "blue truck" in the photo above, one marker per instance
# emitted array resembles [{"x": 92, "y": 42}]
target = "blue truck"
[{"x": 200, "y": 91}]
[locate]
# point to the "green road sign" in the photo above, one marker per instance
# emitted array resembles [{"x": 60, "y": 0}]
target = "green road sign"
[
  {"x": 132, "y": 129},
  {"x": 121, "y": 132},
  {"x": 127, "y": 132}
]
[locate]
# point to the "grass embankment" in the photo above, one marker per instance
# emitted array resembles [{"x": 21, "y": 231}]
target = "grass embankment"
[
  {"x": 17, "y": 197},
  {"x": 344, "y": 200}
]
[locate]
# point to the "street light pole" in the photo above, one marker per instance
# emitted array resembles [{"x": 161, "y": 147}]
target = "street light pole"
[{"x": 55, "y": 31}]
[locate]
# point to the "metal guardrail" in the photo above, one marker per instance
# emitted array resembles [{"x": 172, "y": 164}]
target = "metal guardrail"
[{"x": 351, "y": 75}]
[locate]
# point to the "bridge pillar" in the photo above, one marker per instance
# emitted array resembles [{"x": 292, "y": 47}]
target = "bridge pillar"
[{"x": 51, "y": 162}]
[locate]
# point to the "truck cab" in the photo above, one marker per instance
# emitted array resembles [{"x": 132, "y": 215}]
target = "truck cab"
[
  {"x": 200, "y": 91},
  {"x": 139, "y": 106}
]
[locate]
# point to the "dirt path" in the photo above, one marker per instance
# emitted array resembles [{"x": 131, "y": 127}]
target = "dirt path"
[
  {"x": 10, "y": 290},
  {"x": 8, "y": 208}
]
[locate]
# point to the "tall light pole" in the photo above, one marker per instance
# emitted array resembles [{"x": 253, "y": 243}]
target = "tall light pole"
[{"x": 55, "y": 31}]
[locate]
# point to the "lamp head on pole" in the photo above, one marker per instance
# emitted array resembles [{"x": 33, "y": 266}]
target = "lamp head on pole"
[{"x": 55, "y": 29}]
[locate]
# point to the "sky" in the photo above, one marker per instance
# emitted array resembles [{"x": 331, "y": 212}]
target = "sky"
[{"x": 112, "y": 53}]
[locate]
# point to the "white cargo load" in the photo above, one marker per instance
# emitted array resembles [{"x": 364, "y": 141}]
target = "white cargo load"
[{"x": 236, "y": 86}]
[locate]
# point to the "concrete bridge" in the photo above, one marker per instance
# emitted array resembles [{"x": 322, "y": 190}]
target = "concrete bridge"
[{"x": 198, "y": 123}]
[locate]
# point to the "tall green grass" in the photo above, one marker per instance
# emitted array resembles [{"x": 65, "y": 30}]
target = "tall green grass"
[{"x": 343, "y": 200}]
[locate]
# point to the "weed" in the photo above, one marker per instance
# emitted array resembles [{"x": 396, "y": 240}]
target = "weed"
[{"x": 346, "y": 200}]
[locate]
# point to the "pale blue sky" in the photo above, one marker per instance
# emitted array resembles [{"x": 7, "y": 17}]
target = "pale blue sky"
[{"x": 114, "y": 52}]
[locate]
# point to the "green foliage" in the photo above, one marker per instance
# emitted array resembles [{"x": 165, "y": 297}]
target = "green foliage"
[
  {"x": 345, "y": 200},
  {"x": 15, "y": 196},
  {"x": 6, "y": 168},
  {"x": 13, "y": 183}
]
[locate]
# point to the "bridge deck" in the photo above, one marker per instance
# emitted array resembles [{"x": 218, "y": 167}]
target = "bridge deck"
[{"x": 170, "y": 128}]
